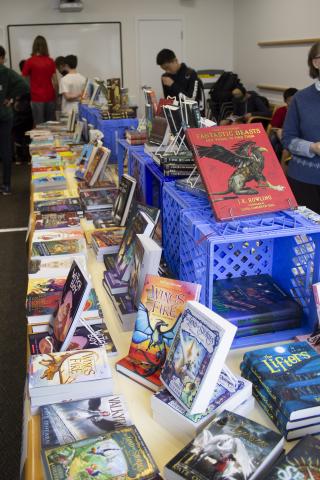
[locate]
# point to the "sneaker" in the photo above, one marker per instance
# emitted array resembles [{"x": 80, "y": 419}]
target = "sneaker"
[{"x": 5, "y": 190}]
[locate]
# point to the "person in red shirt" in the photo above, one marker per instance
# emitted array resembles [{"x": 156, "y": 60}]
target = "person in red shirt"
[
  {"x": 41, "y": 70},
  {"x": 277, "y": 122}
]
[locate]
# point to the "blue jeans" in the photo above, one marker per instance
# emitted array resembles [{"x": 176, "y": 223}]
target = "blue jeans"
[
  {"x": 43, "y": 111},
  {"x": 6, "y": 150}
]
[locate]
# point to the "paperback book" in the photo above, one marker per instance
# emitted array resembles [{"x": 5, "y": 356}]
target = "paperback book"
[
  {"x": 231, "y": 446},
  {"x": 196, "y": 356},
  {"x": 57, "y": 248},
  {"x": 240, "y": 170},
  {"x": 289, "y": 373},
  {"x": 118, "y": 454},
  {"x": 56, "y": 220},
  {"x": 162, "y": 303},
  {"x": 97, "y": 199},
  {"x": 58, "y": 206},
  {"x": 53, "y": 267},
  {"x": 69, "y": 422},
  {"x": 107, "y": 241},
  {"x": 121, "y": 206}
]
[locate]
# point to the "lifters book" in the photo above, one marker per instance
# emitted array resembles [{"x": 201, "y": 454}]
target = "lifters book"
[{"x": 240, "y": 170}]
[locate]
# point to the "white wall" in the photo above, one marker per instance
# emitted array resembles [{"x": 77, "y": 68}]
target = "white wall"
[
  {"x": 268, "y": 20},
  {"x": 206, "y": 22}
]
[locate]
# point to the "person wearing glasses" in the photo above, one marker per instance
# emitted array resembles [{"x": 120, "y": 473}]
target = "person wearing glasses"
[{"x": 301, "y": 136}]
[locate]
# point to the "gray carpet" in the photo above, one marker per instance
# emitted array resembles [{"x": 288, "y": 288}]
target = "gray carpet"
[{"x": 13, "y": 282}]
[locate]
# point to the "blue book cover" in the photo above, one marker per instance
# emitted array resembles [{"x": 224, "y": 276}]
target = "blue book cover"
[
  {"x": 290, "y": 373},
  {"x": 302, "y": 462},
  {"x": 253, "y": 300}
]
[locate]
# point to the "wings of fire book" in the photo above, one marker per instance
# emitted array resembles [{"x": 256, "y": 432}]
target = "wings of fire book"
[
  {"x": 162, "y": 302},
  {"x": 120, "y": 454},
  {"x": 290, "y": 374},
  {"x": 240, "y": 170},
  {"x": 196, "y": 356},
  {"x": 63, "y": 423},
  {"x": 230, "y": 447}
]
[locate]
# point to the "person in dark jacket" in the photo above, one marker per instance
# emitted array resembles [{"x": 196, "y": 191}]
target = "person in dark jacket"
[
  {"x": 12, "y": 86},
  {"x": 245, "y": 105},
  {"x": 178, "y": 78}
]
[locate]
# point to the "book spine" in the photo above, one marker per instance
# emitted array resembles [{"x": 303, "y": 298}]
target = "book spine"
[
  {"x": 267, "y": 403},
  {"x": 177, "y": 160},
  {"x": 177, "y": 173}
]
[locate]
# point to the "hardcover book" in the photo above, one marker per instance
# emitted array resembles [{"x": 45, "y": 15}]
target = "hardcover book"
[
  {"x": 253, "y": 300},
  {"x": 240, "y": 170},
  {"x": 289, "y": 373},
  {"x": 196, "y": 356},
  {"x": 230, "y": 447},
  {"x": 118, "y": 454},
  {"x": 162, "y": 303},
  {"x": 72, "y": 421},
  {"x": 300, "y": 463},
  {"x": 97, "y": 163}
]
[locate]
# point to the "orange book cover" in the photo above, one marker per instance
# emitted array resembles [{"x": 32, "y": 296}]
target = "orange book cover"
[
  {"x": 240, "y": 170},
  {"x": 162, "y": 303}
]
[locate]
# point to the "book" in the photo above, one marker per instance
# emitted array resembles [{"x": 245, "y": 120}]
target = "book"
[
  {"x": 253, "y": 300},
  {"x": 162, "y": 303},
  {"x": 56, "y": 220},
  {"x": 240, "y": 170},
  {"x": 71, "y": 204},
  {"x": 159, "y": 134},
  {"x": 97, "y": 163},
  {"x": 69, "y": 422},
  {"x": 289, "y": 373},
  {"x": 291, "y": 430},
  {"x": 107, "y": 241},
  {"x": 52, "y": 267},
  {"x": 146, "y": 260},
  {"x": 57, "y": 234},
  {"x": 230, "y": 447},
  {"x": 60, "y": 376},
  {"x": 83, "y": 160},
  {"x": 42, "y": 307},
  {"x": 49, "y": 182},
  {"x": 301, "y": 462},
  {"x": 229, "y": 393},
  {"x": 196, "y": 356},
  {"x": 74, "y": 296},
  {"x": 84, "y": 337},
  {"x": 118, "y": 454},
  {"x": 125, "y": 308},
  {"x": 98, "y": 199},
  {"x": 122, "y": 203},
  {"x": 57, "y": 248}
]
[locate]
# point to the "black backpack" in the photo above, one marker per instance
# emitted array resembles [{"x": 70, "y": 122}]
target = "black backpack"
[{"x": 221, "y": 90}]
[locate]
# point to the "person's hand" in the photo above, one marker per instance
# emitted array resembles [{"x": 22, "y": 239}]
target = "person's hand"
[
  {"x": 167, "y": 81},
  {"x": 7, "y": 102},
  {"x": 315, "y": 148}
]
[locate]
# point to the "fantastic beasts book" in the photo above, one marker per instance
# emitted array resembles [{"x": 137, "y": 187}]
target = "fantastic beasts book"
[
  {"x": 119, "y": 454},
  {"x": 162, "y": 302},
  {"x": 196, "y": 356},
  {"x": 290, "y": 374},
  {"x": 240, "y": 170},
  {"x": 63, "y": 423},
  {"x": 230, "y": 447}
]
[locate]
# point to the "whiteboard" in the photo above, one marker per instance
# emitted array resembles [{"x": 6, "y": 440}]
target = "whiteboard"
[{"x": 98, "y": 46}]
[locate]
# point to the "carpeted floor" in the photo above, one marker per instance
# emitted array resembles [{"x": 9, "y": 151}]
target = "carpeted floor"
[{"x": 14, "y": 211}]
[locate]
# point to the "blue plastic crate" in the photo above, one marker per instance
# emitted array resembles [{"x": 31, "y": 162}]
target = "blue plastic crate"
[
  {"x": 112, "y": 131},
  {"x": 284, "y": 245},
  {"x": 156, "y": 180},
  {"x": 174, "y": 201},
  {"x": 138, "y": 162}
]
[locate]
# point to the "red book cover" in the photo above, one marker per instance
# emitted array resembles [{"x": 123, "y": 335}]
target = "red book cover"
[
  {"x": 240, "y": 170},
  {"x": 162, "y": 303}
]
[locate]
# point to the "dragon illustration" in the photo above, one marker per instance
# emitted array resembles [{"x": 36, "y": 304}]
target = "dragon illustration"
[
  {"x": 156, "y": 338},
  {"x": 248, "y": 160}
]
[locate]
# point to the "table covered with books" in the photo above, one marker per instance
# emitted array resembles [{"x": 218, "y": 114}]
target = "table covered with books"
[{"x": 103, "y": 325}]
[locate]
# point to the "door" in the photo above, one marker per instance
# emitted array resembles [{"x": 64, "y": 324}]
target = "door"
[{"x": 153, "y": 36}]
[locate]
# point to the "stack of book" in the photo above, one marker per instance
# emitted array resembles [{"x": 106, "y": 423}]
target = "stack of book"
[
  {"x": 179, "y": 164},
  {"x": 136, "y": 137},
  {"x": 255, "y": 304},
  {"x": 106, "y": 241},
  {"x": 98, "y": 199},
  {"x": 286, "y": 384}
]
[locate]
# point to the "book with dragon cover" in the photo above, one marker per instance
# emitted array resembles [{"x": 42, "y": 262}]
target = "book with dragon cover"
[
  {"x": 300, "y": 463},
  {"x": 162, "y": 303},
  {"x": 63, "y": 423},
  {"x": 119, "y": 454},
  {"x": 240, "y": 170},
  {"x": 196, "y": 356},
  {"x": 290, "y": 374},
  {"x": 230, "y": 447}
]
